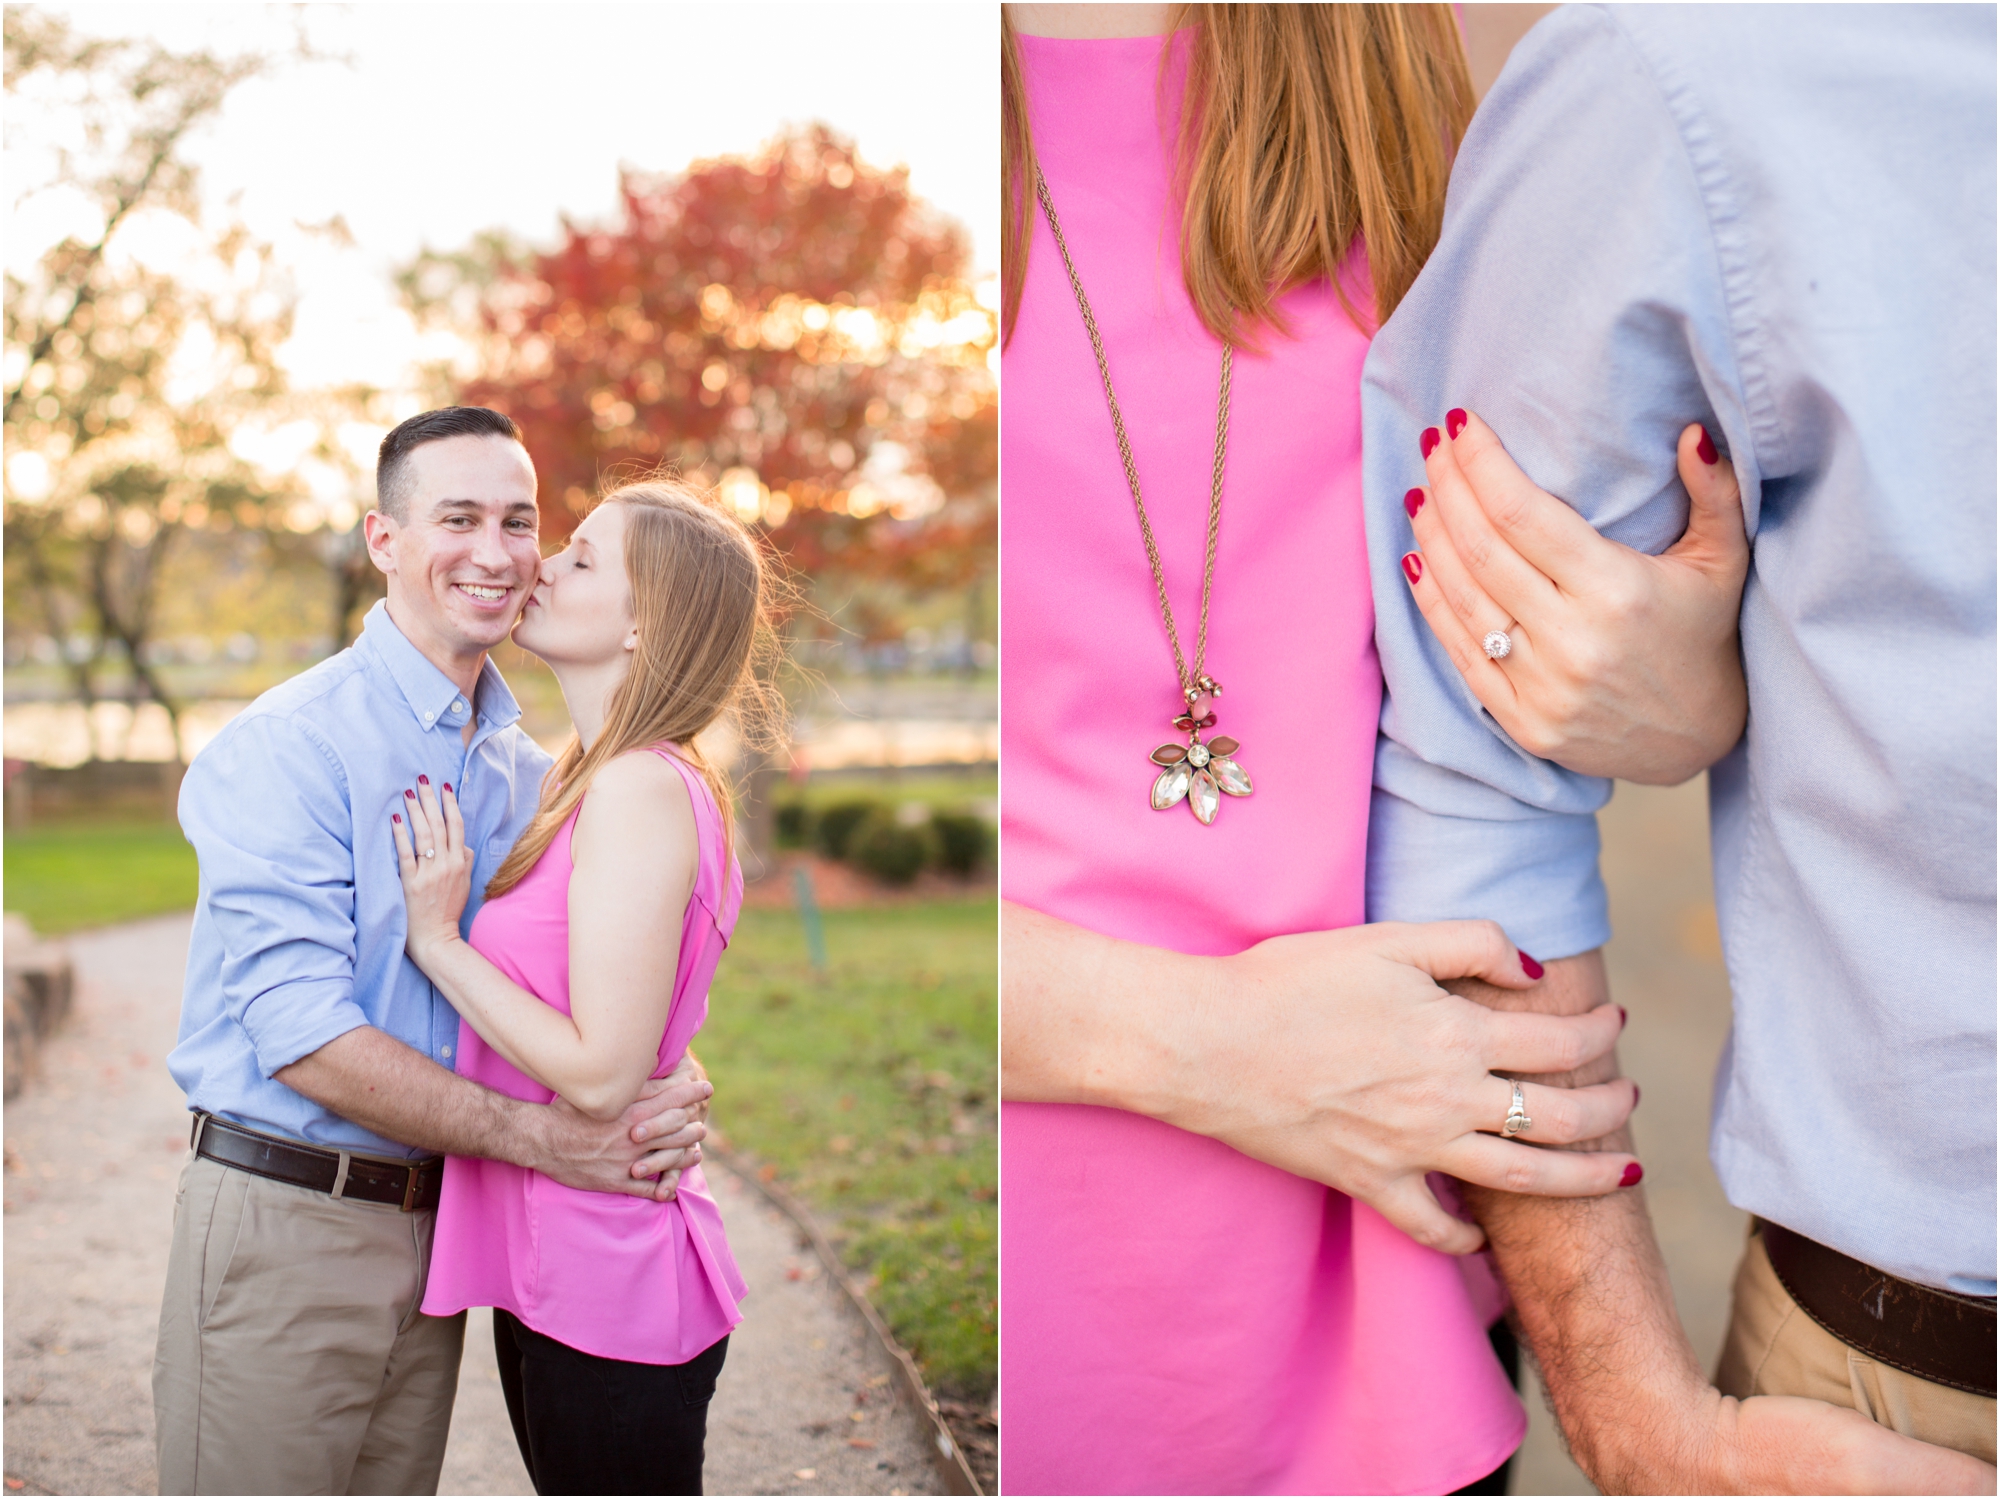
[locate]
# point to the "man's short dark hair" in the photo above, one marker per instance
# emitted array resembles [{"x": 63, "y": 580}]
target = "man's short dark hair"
[{"x": 392, "y": 465}]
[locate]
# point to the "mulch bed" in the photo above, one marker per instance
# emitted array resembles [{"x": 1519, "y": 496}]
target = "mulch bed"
[{"x": 841, "y": 887}]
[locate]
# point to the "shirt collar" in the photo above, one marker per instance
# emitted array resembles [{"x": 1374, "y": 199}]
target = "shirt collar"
[{"x": 433, "y": 697}]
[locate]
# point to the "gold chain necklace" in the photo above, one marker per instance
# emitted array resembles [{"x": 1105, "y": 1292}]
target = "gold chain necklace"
[{"x": 1197, "y": 772}]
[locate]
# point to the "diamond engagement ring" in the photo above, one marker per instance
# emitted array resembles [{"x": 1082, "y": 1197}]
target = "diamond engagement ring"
[
  {"x": 1498, "y": 645},
  {"x": 1517, "y": 1116},
  {"x": 431, "y": 853}
]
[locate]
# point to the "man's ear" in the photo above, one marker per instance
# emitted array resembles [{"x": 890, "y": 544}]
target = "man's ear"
[{"x": 380, "y": 533}]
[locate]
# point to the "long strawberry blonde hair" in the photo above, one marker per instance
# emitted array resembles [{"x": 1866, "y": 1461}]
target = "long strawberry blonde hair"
[
  {"x": 703, "y": 598},
  {"x": 1303, "y": 128}
]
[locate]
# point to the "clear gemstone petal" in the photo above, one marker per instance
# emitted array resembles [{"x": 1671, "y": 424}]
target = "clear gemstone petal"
[
  {"x": 1230, "y": 776},
  {"x": 1203, "y": 797},
  {"x": 1170, "y": 787}
]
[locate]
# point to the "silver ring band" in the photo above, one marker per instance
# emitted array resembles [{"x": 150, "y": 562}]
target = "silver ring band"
[{"x": 1517, "y": 1116}]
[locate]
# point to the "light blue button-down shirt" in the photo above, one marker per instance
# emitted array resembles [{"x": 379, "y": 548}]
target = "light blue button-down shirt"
[
  {"x": 1778, "y": 221},
  {"x": 299, "y": 927}
]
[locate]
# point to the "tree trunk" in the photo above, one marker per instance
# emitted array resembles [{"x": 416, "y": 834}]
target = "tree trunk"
[{"x": 133, "y": 624}]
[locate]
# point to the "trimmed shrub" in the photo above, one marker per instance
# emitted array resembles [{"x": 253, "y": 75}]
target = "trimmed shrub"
[
  {"x": 834, "y": 828},
  {"x": 964, "y": 841},
  {"x": 792, "y": 824},
  {"x": 889, "y": 850}
]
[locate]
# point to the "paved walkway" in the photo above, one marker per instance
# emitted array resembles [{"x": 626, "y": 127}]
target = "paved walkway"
[{"x": 94, "y": 1147}]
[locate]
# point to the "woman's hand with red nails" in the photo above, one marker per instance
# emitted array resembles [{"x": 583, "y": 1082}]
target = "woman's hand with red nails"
[
  {"x": 1622, "y": 664},
  {"x": 436, "y": 865}
]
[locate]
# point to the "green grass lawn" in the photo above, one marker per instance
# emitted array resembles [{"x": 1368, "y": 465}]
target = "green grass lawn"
[
  {"x": 71, "y": 875},
  {"x": 873, "y": 1096}
]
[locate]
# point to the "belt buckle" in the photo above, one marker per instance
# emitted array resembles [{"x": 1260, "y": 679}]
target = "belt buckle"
[{"x": 410, "y": 1189}]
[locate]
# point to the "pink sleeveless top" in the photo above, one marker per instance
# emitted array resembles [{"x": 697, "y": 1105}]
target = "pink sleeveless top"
[
  {"x": 1178, "y": 1318},
  {"x": 619, "y": 1277}
]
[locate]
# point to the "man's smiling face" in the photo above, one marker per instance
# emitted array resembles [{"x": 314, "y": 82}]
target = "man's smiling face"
[{"x": 466, "y": 554}]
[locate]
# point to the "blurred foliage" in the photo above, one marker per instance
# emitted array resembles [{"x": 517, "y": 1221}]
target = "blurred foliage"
[
  {"x": 834, "y": 827},
  {"x": 874, "y": 1096},
  {"x": 965, "y": 842},
  {"x": 130, "y": 368},
  {"x": 72, "y": 875},
  {"x": 795, "y": 328},
  {"x": 893, "y": 851}
]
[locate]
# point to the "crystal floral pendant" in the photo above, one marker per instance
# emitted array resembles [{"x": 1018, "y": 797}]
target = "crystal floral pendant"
[{"x": 1200, "y": 774}]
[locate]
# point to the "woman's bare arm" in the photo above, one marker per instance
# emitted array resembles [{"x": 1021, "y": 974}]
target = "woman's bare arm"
[
  {"x": 635, "y": 859},
  {"x": 1332, "y": 1055}
]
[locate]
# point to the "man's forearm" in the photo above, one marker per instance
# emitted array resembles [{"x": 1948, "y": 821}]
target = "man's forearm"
[
  {"x": 1589, "y": 1286},
  {"x": 369, "y": 1077}
]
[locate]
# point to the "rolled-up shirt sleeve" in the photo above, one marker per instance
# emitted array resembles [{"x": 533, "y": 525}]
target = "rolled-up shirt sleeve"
[
  {"x": 266, "y": 809},
  {"x": 1578, "y": 303}
]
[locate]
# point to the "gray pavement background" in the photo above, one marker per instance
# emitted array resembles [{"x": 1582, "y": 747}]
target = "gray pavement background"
[{"x": 806, "y": 1404}]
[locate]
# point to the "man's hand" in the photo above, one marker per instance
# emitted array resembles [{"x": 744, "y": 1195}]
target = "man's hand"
[
  {"x": 376, "y": 1081},
  {"x": 1593, "y": 1303},
  {"x": 671, "y": 1117}
]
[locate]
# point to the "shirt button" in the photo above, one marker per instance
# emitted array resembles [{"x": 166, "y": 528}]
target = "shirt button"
[
  {"x": 446, "y": 1051},
  {"x": 459, "y": 706},
  {"x": 429, "y": 716}
]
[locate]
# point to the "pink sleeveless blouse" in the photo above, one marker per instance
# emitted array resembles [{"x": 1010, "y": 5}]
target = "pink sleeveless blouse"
[
  {"x": 619, "y": 1277},
  {"x": 1178, "y": 1318}
]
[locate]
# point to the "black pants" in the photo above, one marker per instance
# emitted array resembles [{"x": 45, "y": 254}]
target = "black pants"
[
  {"x": 590, "y": 1425},
  {"x": 1509, "y": 1353}
]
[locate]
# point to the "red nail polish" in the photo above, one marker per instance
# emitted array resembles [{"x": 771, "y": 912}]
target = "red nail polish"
[
  {"x": 1429, "y": 440},
  {"x": 1634, "y": 1174},
  {"x": 1413, "y": 568},
  {"x": 1454, "y": 421},
  {"x": 411, "y": 795},
  {"x": 423, "y": 780},
  {"x": 395, "y": 817},
  {"x": 1705, "y": 449},
  {"x": 1529, "y": 966},
  {"x": 1413, "y": 502},
  {"x": 1622, "y": 1017}
]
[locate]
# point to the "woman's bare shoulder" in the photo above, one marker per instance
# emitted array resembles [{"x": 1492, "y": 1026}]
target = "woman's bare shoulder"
[{"x": 638, "y": 788}]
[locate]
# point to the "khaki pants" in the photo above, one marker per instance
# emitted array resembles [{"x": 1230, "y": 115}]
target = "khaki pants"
[
  {"x": 293, "y": 1358},
  {"x": 1773, "y": 1348}
]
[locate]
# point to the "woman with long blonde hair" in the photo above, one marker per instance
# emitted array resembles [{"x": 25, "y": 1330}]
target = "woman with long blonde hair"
[
  {"x": 585, "y": 974},
  {"x": 1225, "y": 1266}
]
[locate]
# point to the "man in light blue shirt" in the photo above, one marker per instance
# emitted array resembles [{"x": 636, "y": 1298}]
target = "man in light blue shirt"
[
  {"x": 318, "y": 1060},
  {"x": 1777, "y": 221}
]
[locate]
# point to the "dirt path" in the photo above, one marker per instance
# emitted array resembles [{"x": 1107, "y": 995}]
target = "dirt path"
[{"x": 93, "y": 1149}]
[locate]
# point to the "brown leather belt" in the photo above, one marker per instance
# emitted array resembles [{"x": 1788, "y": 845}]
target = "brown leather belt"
[
  {"x": 413, "y": 1186},
  {"x": 1935, "y": 1335}
]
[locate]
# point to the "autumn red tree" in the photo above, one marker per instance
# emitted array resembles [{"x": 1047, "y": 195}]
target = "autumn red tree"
[{"x": 795, "y": 327}]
